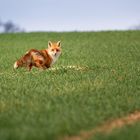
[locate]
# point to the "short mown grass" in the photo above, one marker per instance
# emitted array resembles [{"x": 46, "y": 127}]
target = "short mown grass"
[{"x": 51, "y": 104}]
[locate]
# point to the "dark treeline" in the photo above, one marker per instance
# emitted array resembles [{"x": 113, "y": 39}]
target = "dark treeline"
[
  {"x": 136, "y": 27},
  {"x": 9, "y": 27}
]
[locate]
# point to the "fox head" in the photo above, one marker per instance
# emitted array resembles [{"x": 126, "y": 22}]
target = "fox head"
[{"x": 54, "y": 49}]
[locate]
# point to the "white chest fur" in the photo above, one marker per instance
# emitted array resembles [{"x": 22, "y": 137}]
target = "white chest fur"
[{"x": 54, "y": 57}]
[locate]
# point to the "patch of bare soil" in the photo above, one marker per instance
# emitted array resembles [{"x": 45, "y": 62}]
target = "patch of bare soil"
[{"x": 107, "y": 127}]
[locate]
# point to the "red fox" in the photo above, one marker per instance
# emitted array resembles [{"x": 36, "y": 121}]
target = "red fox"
[{"x": 40, "y": 58}]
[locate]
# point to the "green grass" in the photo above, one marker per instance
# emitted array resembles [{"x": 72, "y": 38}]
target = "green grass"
[{"x": 50, "y": 104}]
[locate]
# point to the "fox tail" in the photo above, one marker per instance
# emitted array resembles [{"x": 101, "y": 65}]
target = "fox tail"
[{"x": 16, "y": 65}]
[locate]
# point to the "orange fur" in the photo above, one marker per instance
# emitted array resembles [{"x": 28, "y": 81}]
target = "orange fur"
[{"x": 40, "y": 58}]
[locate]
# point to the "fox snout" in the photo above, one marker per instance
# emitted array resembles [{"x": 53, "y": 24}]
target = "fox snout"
[{"x": 55, "y": 53}]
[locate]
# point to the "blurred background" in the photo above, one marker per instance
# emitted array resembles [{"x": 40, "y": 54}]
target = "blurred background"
[{"x": 69, "y": 15}]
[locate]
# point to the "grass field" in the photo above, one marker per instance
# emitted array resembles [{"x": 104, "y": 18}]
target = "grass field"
[{"x": 47, "y": 105}]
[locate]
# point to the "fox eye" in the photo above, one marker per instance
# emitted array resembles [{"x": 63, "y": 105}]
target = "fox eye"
[
  {"x": 57, "y": 50},
  {"x": 52, "y": 49}
]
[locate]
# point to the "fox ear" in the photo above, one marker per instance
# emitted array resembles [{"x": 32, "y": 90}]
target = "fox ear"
[
  {"x": 59, "y": 43},
  {"x": 49, "y": 44}
]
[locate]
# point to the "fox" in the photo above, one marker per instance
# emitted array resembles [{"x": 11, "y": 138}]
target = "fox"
[{"x": 42, "y": 59}]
